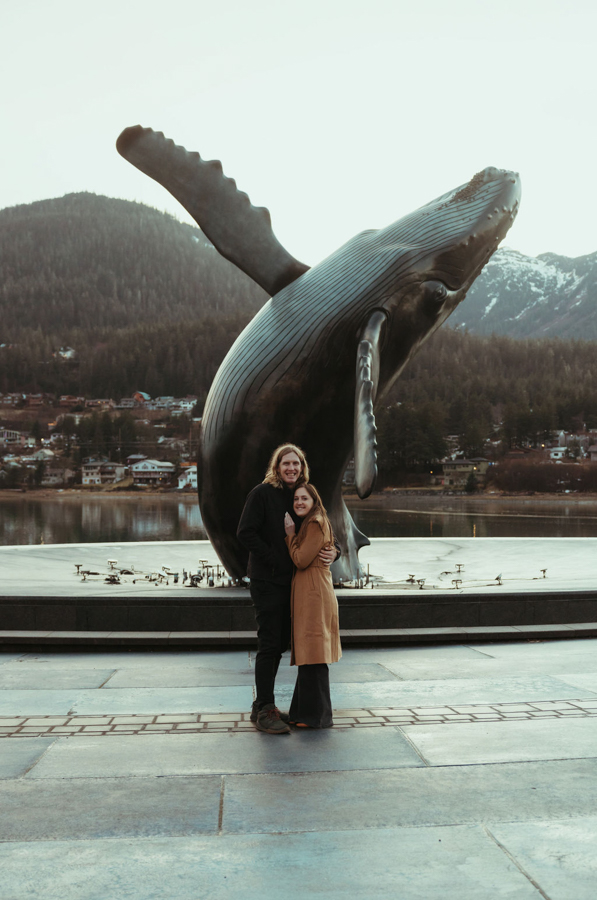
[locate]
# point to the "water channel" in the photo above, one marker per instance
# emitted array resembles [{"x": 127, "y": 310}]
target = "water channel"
[{"x": 65, "y": 517}]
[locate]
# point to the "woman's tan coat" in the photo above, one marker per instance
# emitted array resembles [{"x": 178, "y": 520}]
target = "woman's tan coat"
[{"x": 313, "y": 604}]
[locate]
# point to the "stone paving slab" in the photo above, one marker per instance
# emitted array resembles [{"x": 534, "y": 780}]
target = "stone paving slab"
[
  {"x": 180, "y": 677},
  {"x": 106, "y": 659},
  {"x": 201, "y": 676},
  {"x": 516, "y": 792},
  {"x": 536, "y": 650},
  {"x": 92, "y": 808},
  {"x": 144, "y": 701},
  {"x": 386, "y": 657},
  {"x": 495, "y": 742},
  {"x": 22, "y": 677},
  {"x": 585, "y": 665},
  {"x": 17, "y": 758},
  {"x": 9, "y": 657},
  {"x": 413, "y": 863},
  {"x": 559, "y": 855},
  {"x": 587, "y": 682},
  {"x": 124, "y": 701},
  {"x": 37, "y": 703},
  {"x": 440, "y": 692},
  {"x": 208, "y": 754}
]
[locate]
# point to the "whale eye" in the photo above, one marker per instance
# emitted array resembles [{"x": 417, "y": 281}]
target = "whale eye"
[{"x": 434, "y": 294}]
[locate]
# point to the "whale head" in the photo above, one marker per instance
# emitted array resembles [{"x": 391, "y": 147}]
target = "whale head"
[{"x": 433, "y": 256}]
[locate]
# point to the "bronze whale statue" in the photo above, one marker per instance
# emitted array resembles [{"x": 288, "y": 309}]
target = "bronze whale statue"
[{"x": 311, "y": 365}]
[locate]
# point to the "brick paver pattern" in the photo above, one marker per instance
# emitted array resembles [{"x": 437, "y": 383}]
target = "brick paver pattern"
[{"x": 207, "y": 723}]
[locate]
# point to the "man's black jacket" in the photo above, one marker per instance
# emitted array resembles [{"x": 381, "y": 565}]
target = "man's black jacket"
[{"x": 261, "y": 531}]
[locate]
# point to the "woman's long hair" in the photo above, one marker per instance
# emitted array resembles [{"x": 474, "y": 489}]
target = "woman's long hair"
[
  {"x": 272, "y": 476},
  {"x": 317, "y": 513}
]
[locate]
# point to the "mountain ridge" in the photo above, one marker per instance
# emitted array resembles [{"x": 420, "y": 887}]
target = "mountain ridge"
[{"x": 521, "y": 296}]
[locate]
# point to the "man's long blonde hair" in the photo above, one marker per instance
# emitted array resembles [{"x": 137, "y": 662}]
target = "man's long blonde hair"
[{"x": 272, "y": 476}]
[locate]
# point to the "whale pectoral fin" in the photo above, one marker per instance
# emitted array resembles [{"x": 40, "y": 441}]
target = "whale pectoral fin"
[
  {"x": 238, "y": 230},
  {"x": 365, "y": 443}
]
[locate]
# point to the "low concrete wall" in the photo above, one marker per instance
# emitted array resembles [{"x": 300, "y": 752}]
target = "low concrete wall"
[{"x": 230, "y": 610}]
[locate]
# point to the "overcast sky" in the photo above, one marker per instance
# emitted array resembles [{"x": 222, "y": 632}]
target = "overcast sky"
[{"x": 337, "y": 115}]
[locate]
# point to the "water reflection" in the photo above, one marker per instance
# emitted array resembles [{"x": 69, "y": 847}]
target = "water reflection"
[
  {"x": 476, "y": 517},
  {"x": 72, "y": 518},
  {"x": 386, "y": 523}
]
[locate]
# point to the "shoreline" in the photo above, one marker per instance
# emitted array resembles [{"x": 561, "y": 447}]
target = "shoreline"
[{"x": 378, "y": 500}]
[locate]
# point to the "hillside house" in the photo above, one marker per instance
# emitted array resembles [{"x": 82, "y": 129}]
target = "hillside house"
[
  {"x": 104, "y": 403},
  {"x": 457, "y": 471},
  {"x": 101, "y": 471},
  {"x": 91, "y": 471},
  {"x": 11, "y": 400},
  {"x": 34, "y": 400},
  {"x": 152, "y": 471},
  {"x": 42, "y": 455},
  {"x": 68, "y": 400},
  {"x": 134, "y": 458},
  {"x": 9, "y": 438},
  {"x": 64, "y": 353},
  {"x": 184, "y": 405},
  {"x": 55, "y": 474},
  {"x": 162, "y": 402},
  {"x": 188, "y": 477}
]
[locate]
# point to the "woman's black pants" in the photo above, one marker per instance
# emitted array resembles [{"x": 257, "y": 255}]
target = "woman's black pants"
[
  {"x": 311, "y": 702},
  {"x": 272, "y": 612}
]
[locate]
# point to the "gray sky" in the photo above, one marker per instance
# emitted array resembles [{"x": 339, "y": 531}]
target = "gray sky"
[{"x": 337, "y": 115}]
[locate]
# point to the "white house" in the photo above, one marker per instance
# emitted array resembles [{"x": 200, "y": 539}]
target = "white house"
[
  {"x": 65, "y": 353},
  {"x": 188, "y": 477},
  {"x": 91, "y": 471},
  {"x": 44, "y": 455},
  {"x": 55, "y": 474},
  {"x": 183, "y": 405},
  {"x": 152, "y": 471},
  {"x": 7, "y": 436},
  {"x": 100, "y": 471}
]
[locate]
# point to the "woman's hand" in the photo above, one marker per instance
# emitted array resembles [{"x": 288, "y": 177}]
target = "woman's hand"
[
  {"x": 289, "y": 526},
  {"x": 327, "y": 555}
]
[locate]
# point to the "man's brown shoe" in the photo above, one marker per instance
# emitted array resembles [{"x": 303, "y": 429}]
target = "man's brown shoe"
[
  {"x": 268, "y": 720},
  {"x": 255, "y": 712}
]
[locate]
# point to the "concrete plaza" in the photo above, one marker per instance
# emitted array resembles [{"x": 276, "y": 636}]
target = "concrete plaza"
[{"x": 453, "y": 771}]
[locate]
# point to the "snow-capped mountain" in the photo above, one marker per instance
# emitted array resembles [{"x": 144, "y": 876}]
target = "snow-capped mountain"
[{"x": 525, "y": 296}]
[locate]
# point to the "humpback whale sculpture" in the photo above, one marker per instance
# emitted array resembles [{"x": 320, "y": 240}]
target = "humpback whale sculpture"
[{"x": 311, "y": 365}]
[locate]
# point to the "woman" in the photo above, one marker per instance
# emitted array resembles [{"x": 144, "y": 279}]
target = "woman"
[{"x": 314, "y": 611}]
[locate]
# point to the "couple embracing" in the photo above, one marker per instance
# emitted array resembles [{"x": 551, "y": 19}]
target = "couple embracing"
[{"x": 285, "y": 528}]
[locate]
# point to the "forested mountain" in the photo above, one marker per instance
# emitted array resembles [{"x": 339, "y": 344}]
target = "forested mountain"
[
  {"x": 148, "y": 304},
  {"x": 86, "y": 262},
  {"x": 535, "y": 297},
  {"x": 479, "y": 389},
  {"x": 145, "y": 301}
]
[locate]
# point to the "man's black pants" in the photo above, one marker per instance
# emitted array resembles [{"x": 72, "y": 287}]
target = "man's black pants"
[{"x": 272, "y": 612}]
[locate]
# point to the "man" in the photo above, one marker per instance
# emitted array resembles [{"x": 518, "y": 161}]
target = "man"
[{"x": 261, "y": 531}]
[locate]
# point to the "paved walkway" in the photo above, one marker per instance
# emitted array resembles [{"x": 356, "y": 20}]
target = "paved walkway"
[{"x": 462, "y": 771}]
